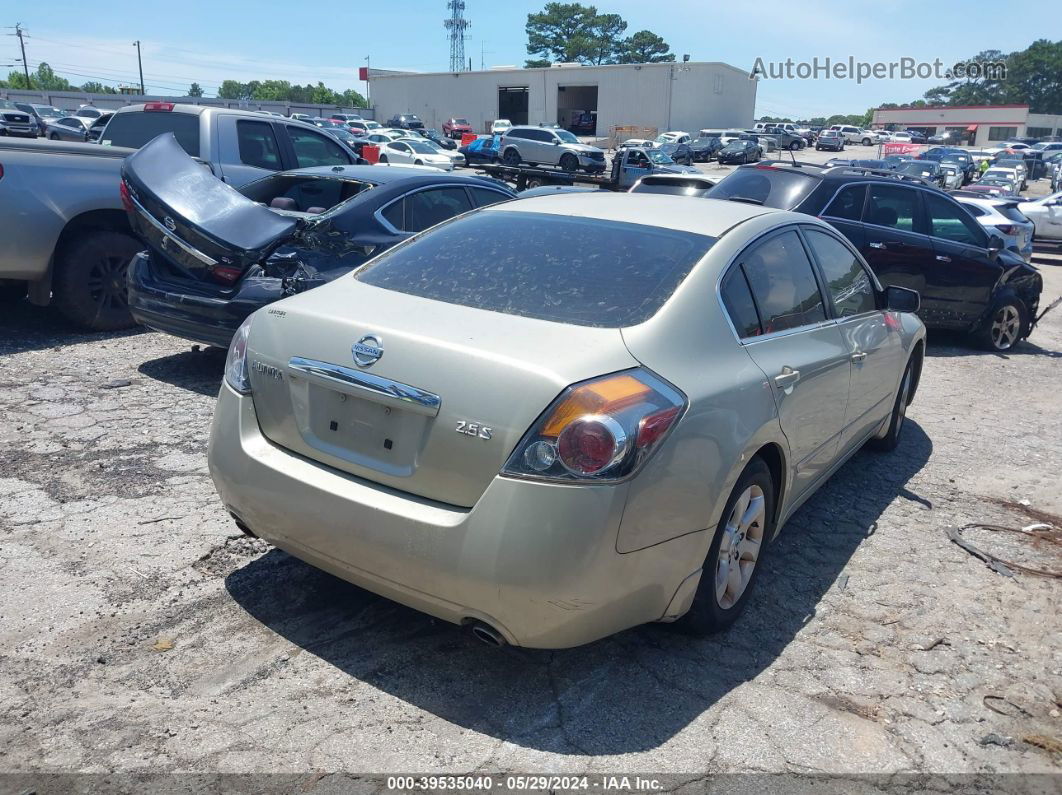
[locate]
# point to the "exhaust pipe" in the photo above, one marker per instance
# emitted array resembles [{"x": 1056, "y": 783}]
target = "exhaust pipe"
[
  {"x": 243, "y": 527},
  {"x": 487, "y": 634}
]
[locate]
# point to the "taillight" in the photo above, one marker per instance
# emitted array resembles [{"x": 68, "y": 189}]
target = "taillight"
[
  {"x": 157, "y": 106},
  {"x": 1007, "y": 229},
  {"x": 127, "y": 200},
  {"x": 226, "y": 274},
  {"x": 603, "y": 429}
]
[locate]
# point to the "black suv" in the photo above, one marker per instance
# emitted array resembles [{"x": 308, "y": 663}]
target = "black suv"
[
  {"x": 912, "y": 235},
  {"x": 406, "y": 121}
]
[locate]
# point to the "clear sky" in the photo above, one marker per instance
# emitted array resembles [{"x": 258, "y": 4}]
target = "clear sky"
[{"x": 327, "y": 40}]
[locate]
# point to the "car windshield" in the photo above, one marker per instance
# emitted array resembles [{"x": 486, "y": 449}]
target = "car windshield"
[
  {"x": 373, "y": 125},
  {"x": 47, "y": 111},
  {"x": 734, "y": 146},
  {"x": 565, "y": 269},
  {"x": 771, "y": 187},
  {"x": 659, "y": 157},
  {"x": 460, "y": 121},
  {"x": 6, "y": 105},
  {"x": 422, "y": 147},
  {"x": 566, "y": 136}
]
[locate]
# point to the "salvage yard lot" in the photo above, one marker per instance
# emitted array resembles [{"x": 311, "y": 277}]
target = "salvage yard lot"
[{"x": 140, "y": 631}]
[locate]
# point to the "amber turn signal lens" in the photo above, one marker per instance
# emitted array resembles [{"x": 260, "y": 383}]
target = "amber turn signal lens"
[{"x": 606, "y": 396}]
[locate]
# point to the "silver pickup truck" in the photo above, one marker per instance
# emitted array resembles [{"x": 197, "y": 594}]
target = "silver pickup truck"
[{"x": 64, "y": 236}]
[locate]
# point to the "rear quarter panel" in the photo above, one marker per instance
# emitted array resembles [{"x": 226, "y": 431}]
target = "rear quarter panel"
[{"x": 39, "y": 194}]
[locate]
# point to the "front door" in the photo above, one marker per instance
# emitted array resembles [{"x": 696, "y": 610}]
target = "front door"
[
  {"x": 803, "y": 355},
  {"x": 872, "y": 338},
  {"x": 963, "y": 273}
]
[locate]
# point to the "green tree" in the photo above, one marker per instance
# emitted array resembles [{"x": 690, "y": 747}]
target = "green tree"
[
  {"x": 232, "y": 89},
  {"x": 95, "y": 87},
  {"x": 1034, "y": 77},
  {"x": 561, "y": 32},
  {"x": 607, "y": 45},
  {"x": 645, "y": 47},
  {"x": 195, "y": 90},
  {"x": 352, "y": 99},
  {"x": 271, "y": 90}
]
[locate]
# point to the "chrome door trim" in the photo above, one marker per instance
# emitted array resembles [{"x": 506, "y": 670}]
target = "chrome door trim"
[{"x": 372, "y": 387}]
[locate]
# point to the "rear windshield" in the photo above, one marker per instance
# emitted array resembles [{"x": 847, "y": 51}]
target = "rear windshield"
[
  {"x": 581, "y": 271},
  {"x": 1013, "y": 213},
  {"x": 137, "y": 128},
  {"x": 782, "y": 190}
]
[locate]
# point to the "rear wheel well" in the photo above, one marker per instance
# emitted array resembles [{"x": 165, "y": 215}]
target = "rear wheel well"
[
  {"x": 94, "y": 220},
  {"x": 772, "y": 456},
  {"x": 917, "y": 357}
]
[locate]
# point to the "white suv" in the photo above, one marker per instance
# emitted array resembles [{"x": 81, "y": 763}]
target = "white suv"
[{"x": 546, "y": 146}]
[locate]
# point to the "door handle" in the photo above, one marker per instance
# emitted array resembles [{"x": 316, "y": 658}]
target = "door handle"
[
  {"x": 942, "y": 258},
  {"x": 858, "y": 357},
  {"x": 787, "y": 377}
]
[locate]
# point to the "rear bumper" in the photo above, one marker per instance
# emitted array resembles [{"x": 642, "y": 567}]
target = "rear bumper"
[
  {"x": 536, "y": 561},
  {"x": 211, "y": 321}
]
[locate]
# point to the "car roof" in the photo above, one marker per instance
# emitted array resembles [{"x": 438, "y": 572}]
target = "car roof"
[
  {"x": 385, "y": 175},
  {"x": 703, "y": 217}
]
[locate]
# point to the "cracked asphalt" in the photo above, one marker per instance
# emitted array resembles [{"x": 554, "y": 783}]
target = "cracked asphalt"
[{"x": 139, "y": 631}]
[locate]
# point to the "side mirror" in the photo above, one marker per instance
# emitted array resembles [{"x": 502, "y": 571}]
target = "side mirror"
[
  {"x": 995, "y": 244},
  {"x": 900, "y": 299}
]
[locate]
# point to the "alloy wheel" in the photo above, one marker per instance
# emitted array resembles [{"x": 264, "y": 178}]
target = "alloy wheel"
[
  {"x": 739, "y": 548},
  {"x": 1006, "y": 325},
  {"x": 106, "y": 283}
]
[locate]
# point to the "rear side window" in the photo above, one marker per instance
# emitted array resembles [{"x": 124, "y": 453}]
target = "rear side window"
[
  {"x": 848, "y": 203},
  {"x": 257, "y": 144},
  {"x": 313, "y": 149},
  {"x": 783, "y": 284},
  {"x": 737, "y": 298},
  {"x": 139, "y": 127},
  {"x": 847, "y": 280},
  {"x": 892, "y": 206},
  {"x": 581, "y": 271},
  {"x": 1011, "y": 212},
  {"x": 427, "y": 208},
  {"x": 974, "y": 210},
  {"x": 484, "y": 196},
  {"x": 782, "y": 190}
]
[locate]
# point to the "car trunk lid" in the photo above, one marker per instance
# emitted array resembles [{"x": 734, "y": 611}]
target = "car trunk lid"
[
  {"x": 440, "y": 411},
  {"x": 206, "y": 231}
]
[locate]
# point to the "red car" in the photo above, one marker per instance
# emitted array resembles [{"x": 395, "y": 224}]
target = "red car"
[{"x": 454, "y": 128}]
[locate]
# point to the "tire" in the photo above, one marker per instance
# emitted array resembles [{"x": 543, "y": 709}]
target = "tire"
[
  {"x": 569, "y": 162},
  {"x": 712, "y": 611},
  {"x": 1005, "y": 325},
  {"x": 53, "y": 137},
  {"x": 534, "y": 182},
  {"x": 511, "y": 157},
  {"x": 866, "y": 142},
  {"x": 794, "y": 146},
  {"x": 89, "y": 282},
  {"x": 891, "y": 439}
]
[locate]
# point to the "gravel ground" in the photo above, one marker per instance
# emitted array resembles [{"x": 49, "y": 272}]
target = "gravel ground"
[{"x": 139, "y": 631}]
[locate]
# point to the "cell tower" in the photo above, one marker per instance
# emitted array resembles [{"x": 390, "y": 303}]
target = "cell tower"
[{"x": 457, "y": 24}]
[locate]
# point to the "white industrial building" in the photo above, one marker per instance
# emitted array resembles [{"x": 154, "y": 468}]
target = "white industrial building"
[
  {"x": 668, "y": 96},
  {"x": 979, "y": 125}
]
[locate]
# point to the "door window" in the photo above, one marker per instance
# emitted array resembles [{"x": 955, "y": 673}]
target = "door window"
[
  {"x": 848, "y": 203},
  {"x": 257, "y": 144},
  {"x": 952, "y": 222},
  {"x": 484, "y": 196},
  {"x": 783, "y": 284},
  {"x": 737, "y": 298},
  {"x": 892, "y": 206},
  {"x": 313, "y": 149},
  {"x": 430, "y": 207},
  {"x": 847, "y": 280}
]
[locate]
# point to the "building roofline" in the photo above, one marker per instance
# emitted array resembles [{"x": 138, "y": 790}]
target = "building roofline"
[
  {"x": 954, "y": 107},
  {"x": 388, "y": 73}
]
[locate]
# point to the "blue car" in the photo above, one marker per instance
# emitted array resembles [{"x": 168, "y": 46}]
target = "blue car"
[{"x": 482, "y": 150}]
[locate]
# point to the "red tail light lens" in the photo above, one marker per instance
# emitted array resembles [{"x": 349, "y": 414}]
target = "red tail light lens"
[
  {"x": 1007, "y": 229},
  {"x": 127, "y": 200},
  {"x": 603, "y": 429},
  {"x": 158, "y": 106}
]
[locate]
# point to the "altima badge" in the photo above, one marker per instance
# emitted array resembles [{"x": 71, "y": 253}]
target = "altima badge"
[{"x": 367, "y": 351}]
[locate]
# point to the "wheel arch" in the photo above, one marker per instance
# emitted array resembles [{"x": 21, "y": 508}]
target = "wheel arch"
[{"x": 106, "y": 219}]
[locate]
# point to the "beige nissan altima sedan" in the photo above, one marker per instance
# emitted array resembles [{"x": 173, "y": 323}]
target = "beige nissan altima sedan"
[{"x": 556, "y": 418}]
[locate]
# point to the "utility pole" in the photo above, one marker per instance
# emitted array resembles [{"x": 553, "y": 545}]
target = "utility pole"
[
  {"x": 140, "y": 64},
  {"x": 368, "y": 81},
  {"x": 22, "y": 43}
]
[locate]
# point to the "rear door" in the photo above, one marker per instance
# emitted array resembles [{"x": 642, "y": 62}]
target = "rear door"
[
  {"x": 963, "y": 272},
  {"x": 873, "y": 342},
  {"x": 799, "y": 348}
]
